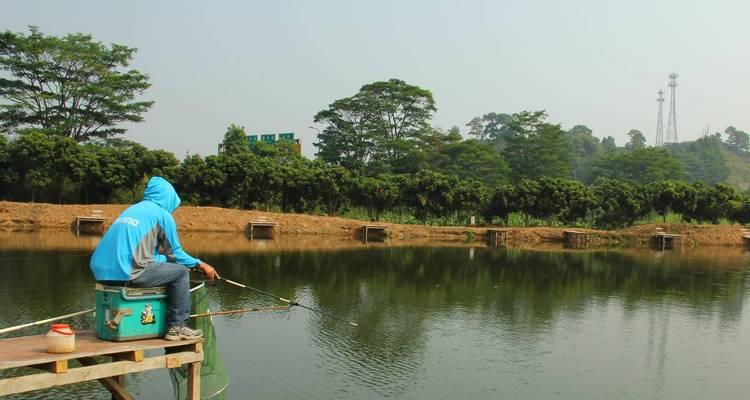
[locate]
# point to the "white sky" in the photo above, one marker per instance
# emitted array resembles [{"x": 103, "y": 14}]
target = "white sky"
[{"x": 270, "y": 66}]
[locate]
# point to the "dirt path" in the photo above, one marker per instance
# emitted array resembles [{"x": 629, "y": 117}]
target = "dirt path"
[{"x": 35, "y": 216}]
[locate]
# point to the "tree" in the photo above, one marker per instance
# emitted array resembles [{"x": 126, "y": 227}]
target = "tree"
[
  {"x": 382, "y": 122},
  {"x": 737, "y": 140},
  {"x": 476, "y": 128},
  {"x": 71, "y": 86},
  {"x": 536, "y": 148},
  {"x": 637, "y": 140},
  {"x": 608, "y": 144},
  {"x": 619, "y": 203},
  {"x": 702, "y": 159},
  {"x": 641, "y": 166},
  {"x": 235, "y": 141},
  {"x": 584, "y": 149}
]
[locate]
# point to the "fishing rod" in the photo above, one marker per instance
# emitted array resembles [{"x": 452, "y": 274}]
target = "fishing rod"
[
  {"x": 240, "y": 311},
  {"x": 291, "y": 303}
]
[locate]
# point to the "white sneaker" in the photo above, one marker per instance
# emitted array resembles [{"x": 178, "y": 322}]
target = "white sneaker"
[{"x": 183, "y": 333}]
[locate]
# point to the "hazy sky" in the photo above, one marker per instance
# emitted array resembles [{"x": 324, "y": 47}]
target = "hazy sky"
[{"x": 270, "y": 66}]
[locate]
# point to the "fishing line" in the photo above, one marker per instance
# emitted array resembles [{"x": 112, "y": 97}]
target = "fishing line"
[{"x": 291, "y": 303}]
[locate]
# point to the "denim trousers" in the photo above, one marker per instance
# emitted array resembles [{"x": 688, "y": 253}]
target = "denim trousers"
[{"x": 177, "y": 280}]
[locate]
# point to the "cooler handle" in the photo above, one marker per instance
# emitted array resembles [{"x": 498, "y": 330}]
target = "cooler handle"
[
  {"x": 142, "y": 297},
  {"x": 113, "y": 323}
]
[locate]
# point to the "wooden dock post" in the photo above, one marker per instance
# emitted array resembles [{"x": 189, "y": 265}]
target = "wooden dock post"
[
  {"x": 497, "y": 237},
  {"x": 126, "y": 358},
  {"x": 261, "y": 224},
  {"x": 382, "y": 232}
]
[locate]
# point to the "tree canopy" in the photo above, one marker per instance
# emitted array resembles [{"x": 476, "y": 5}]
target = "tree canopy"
[{"x": 71, "y": 86}]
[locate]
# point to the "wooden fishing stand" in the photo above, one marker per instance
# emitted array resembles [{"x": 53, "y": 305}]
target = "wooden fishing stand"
[
  {"x": 268, "y": 227},
  {"x": 96, "y": 220},
  {"x": 662, "y": 241},
  {"x": 497, "y": 237},
  {"x": 380, "y": 229},
  {"x": 124, "y": 358},
  {"x": 577, "y": 239}
]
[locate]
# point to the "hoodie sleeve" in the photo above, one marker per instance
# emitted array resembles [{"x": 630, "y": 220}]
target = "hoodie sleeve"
[{"x": 172, "y": 248}]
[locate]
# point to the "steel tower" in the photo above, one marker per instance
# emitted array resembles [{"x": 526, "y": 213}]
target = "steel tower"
[
  {"x": 660, "y": 120},
  {"x": 672, "y": 124}
]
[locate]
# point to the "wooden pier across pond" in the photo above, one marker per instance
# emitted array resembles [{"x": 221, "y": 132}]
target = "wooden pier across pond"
[{"x": 121, "y": 358}]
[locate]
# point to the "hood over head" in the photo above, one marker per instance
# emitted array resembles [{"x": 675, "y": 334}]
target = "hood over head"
[{"x": 161, "y": 192}]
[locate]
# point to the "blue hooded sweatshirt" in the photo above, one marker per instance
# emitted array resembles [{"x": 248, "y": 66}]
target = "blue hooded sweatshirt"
[{"x": 133, "y": 239}]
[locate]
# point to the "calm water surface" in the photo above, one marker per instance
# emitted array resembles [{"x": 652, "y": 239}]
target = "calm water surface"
[{"x": 447, "y": 322}]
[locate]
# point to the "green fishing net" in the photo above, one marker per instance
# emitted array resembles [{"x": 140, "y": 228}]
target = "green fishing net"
[{"x": 214, "y": 380}]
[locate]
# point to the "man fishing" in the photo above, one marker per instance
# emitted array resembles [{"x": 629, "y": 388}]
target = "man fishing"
[{"x": 128, "y": 255}]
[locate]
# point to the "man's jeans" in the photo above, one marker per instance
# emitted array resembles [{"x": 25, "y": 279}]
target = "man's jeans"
[{"x": 177, "y": 280}]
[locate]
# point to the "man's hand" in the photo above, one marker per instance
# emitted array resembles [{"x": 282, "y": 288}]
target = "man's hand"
[{"x": 210, "y": 272}]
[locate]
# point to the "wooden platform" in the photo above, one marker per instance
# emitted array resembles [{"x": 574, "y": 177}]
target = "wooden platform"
[
  {"x": 266, "y": 228},
  {"x": 662, "y": 241},
  {"x": 576, "y": 239},
  {"x": 95, "y": 219},
  {"x": 125, "y": 358},
  {"x": 497, "y": 237},
  {"x": 374, "y": 232}
]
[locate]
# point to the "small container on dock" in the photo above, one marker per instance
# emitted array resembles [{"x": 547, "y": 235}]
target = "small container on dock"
[
  {"x": 125, "y": 313},
  {"x": 61, "y": 339}
]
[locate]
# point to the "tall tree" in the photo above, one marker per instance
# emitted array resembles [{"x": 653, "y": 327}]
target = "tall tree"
[
  {"x": 737, "y": 140},
  {"x": 637, "y": 140},
  {"x": 536, "y": 148},
  {"x": 235, "y": 141},
  {"x": 382, "y": 122},
  {"x": 608, "y": 144},
  {"x": 584, "y": 149},
  {"x": 71, "y": 86}
]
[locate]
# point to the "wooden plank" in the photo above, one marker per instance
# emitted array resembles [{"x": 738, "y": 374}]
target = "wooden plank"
[
  {"x": 47, "y": 380},
  {"x": 57, "y": 367},
  {"x": 115, "y": 385},
  {"x": 194, "y": 381},
  {"x": 135, "y": 355},
  {"x": 32, "y": 350},
  {"x": 120, "y": 381}
]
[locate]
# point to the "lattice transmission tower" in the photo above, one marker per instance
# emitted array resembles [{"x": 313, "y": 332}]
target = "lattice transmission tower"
[
  {"x": 672, "y": 124},
  {"x": 660, "y": 120}
]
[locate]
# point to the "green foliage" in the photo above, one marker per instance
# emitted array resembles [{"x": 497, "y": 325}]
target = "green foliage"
[
  {"x": 71, "y": 86},
  {"x": 640, "y": 166},
  {"x": 737, "y": 140},
  {"x": 536, "y": 148},
  {"x": 619, "y": 203},
  {"x": 380, "y": 124},
  {"x": 702, "y": 159},
  {"x": 584, "y": 150},
  {"x": 608, "y": 145},
  {"x": 637, "y": 140},
  {"x": 235, "y": 141}
]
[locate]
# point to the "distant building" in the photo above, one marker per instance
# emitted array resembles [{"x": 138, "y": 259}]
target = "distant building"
[{"x": 271, "y": 138}]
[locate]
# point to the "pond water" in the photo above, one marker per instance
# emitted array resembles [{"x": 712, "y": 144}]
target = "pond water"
[{"x": 444, "y": 322}]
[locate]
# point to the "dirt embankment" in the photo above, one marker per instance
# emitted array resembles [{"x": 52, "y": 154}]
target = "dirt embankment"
[{"x": 34, "y": 216}]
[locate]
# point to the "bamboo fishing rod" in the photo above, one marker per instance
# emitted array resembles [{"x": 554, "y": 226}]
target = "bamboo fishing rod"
[
  {"x": 44, "y": 321},
  {"x": 240, "y": 311},
  {"x": 290, "y": 302}
]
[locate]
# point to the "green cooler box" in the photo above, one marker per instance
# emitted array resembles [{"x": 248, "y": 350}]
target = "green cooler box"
[{"x": 125, "y": 313}]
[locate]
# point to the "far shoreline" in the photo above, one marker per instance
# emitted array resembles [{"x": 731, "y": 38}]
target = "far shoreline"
[{"x": 17, "y": 216}]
